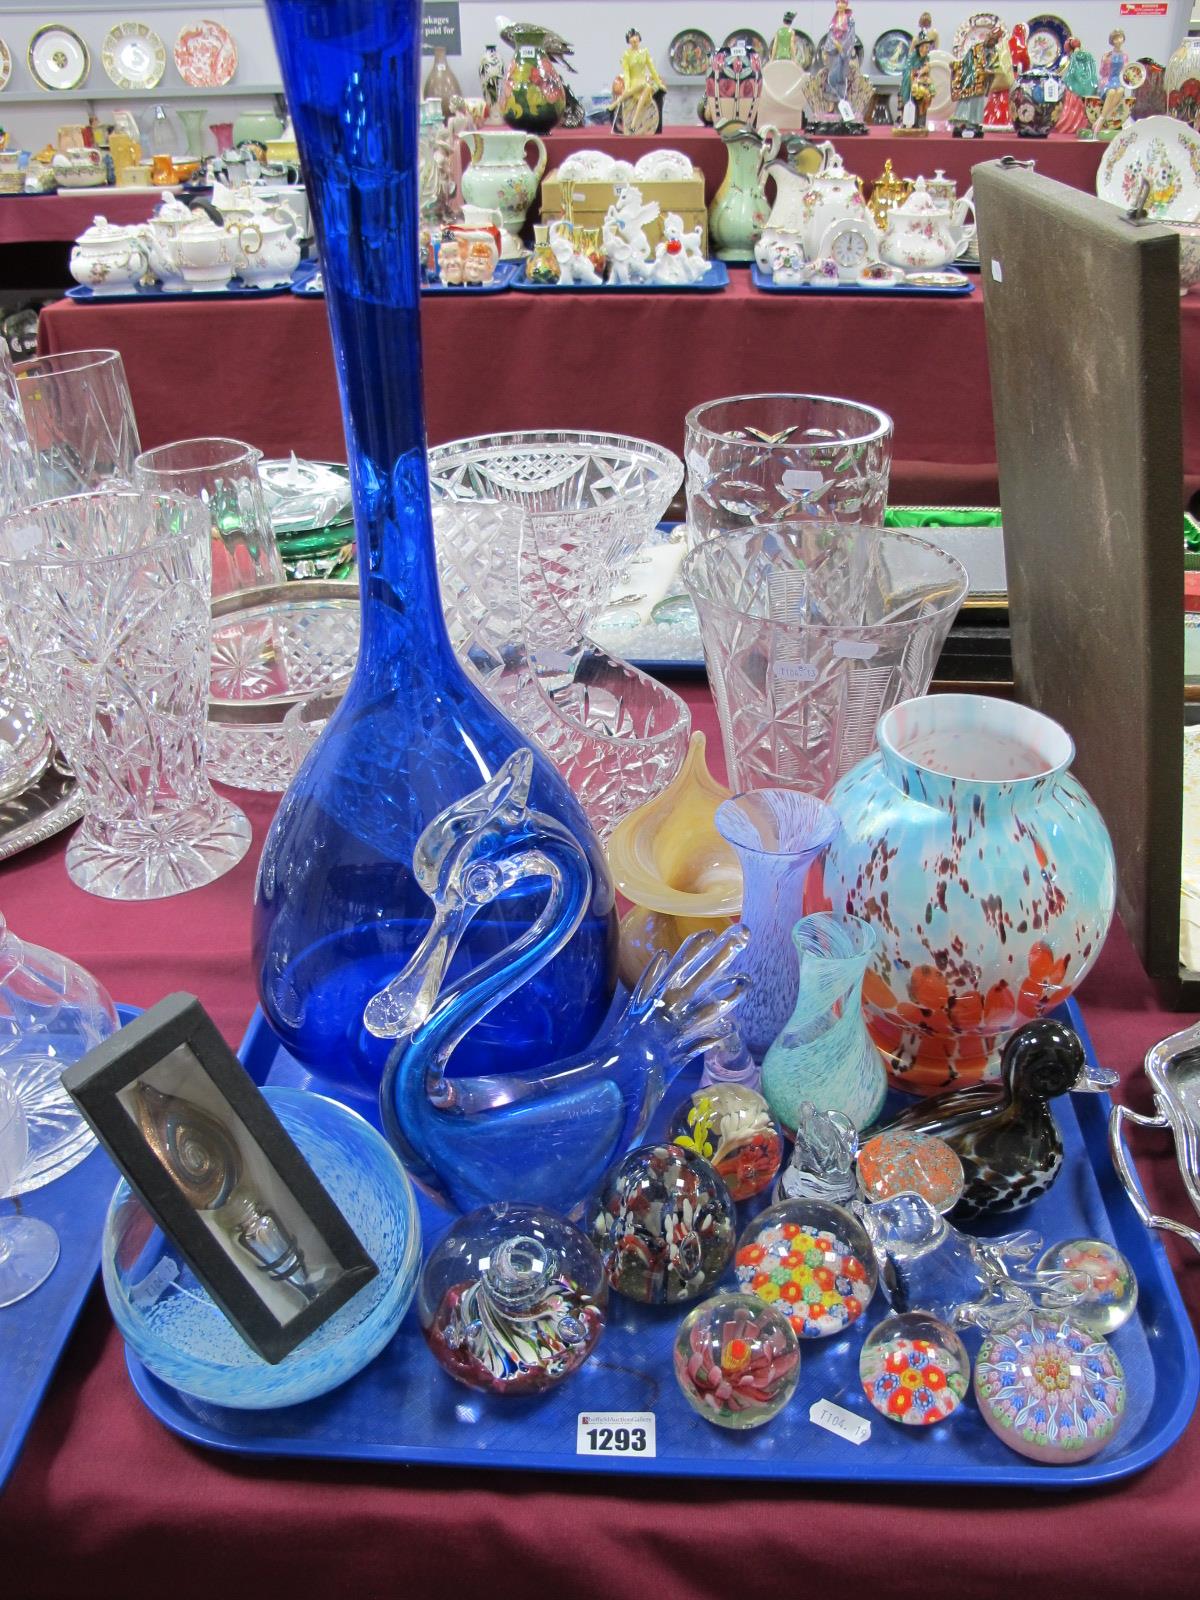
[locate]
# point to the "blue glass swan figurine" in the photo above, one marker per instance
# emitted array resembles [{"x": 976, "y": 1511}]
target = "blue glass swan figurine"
[{"x": 544, "y": 1138}]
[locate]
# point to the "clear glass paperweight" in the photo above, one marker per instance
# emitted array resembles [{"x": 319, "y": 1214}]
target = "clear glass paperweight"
[
  {"x": 812, "y": 1260},
  {"x": 52, "y": 1012},
  {"x": 914, "y": 1369},
  {"x": 175, "y": 1330},
  {"x": 664, "y": 1225},
  {"x": 512, "y": 1300},
  {"x": 736, "y": 1360},
  {"x": 1102, "y": 1281},
  {"x": 733, "y": 1129}
]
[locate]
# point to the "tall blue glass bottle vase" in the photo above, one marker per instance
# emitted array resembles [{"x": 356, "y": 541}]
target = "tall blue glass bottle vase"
[{"x": 338, "y": 911}]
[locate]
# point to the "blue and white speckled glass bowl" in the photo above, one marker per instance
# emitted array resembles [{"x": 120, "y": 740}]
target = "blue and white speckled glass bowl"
[{"x": 181, "y": 1336}]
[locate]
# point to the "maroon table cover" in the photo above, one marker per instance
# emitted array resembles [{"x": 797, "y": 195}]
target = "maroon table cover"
[
  {"x": 61, "y": 218},
  {"x": 106, "y": 1502}
]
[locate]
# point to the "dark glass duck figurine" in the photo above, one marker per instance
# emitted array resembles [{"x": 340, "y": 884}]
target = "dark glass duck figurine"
[{"x": 1004, "y": 1133}]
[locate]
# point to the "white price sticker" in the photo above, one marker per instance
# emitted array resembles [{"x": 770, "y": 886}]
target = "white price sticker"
[
  {"x": 615, "y": 1433},
  {"x": 836, "y": 1419},
  {"x": 997, "y": 275},
  {"x": 795, "y": 672}
]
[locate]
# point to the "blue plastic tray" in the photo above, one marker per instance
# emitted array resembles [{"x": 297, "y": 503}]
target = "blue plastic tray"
[
  {"x": 765, "y": 282},
  {"x": 404, "y": 1409},
  {"x": 35, "y": 1330},
  {"x": 713, "y": 281},
  {"x": 156, "y": 293}
]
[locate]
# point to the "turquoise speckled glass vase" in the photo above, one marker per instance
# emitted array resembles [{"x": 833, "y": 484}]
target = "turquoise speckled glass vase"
[
  {"x": 825, "y": 1054},
  {"x": 985, "y": 870}
]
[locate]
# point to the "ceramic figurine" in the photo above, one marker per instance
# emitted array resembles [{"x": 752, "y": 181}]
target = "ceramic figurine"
[
  {"x": 664, "y": 1225},
  {"x": 544, "y": 1137},
  {"x": 837, "y": 50},
  {"x": 824, "y": 1055},
  {"x": 785, "y": 261},
  {"x": 914, "y": 1369},
  {"x": 916, "y": 85},
  {"x": 822, "y": 1165},
  {"x": 783, "y": 45},
  {"x": 624, "y": 235},
  {"x": 573, "y": 264},
  {"x": 638, "y": 90},
  {"x": 1114, "y": 107},
  {"x": 450, "y": 263},
  {"x": 491, "y": 76},
  {"x": 1050, "y": 1390},
  {"x": 733, "y": 1129},
  {"x": 971, "y": 80},
  {"x": 512, "y": 1299},
  {"x": 927, "y": 1264},
  {"x": 1080, "y": 84},
  {"x": 737, "y": 1361},
  {"x": 678, "y": 256},
  {"x": 1004, "y": 1133},
  {"x": 533, "y": 96},
  {"x": 480, "y": 265},
  {"x": 811, "y": 1260}
]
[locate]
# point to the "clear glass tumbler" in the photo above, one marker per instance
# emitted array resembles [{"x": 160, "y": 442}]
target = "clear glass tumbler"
[
  {"x": 222, "y": 476},
  {"x": 768, "y": 458},
  {"x": 79, "y": 415},
  {"x": 107, "y": 598},
  {"x": 810, "y": 634}
]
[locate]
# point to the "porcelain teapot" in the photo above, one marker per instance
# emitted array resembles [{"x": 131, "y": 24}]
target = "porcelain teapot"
[
  {"x": 267, "y": 249},
  {"x": 160, "y": 236},
  {"x": 922, "y": 235},
  {"x": 812, "y": 190},
  {"x": 109, "y": 259},
  {"x": 205, "y": 253}
]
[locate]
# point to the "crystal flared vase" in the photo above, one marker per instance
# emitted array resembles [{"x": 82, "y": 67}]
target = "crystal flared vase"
[
  {"x": 824, "y": 1054},
  {"x": 338, "y": 910},
  {"x": 777, "y": 834}
]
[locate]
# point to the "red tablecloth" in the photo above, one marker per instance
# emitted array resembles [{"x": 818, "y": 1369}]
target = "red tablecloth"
[
  {"x": 1072, "y": 161},
  {"x": 104, "y": 1502},
  {"x": 629, "y": 363},
  {"x": 46, "y": 218}
]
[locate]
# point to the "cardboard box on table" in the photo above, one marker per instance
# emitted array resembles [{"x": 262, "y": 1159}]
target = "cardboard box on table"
[
  {"x": 1082, "y": 312},
  {"x": 588, "y": 201}
]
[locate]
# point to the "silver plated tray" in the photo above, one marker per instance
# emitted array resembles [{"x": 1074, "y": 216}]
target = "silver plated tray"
[
  {"x": 1173, "y": 1068},
  {"x": 53, "y": 803}
]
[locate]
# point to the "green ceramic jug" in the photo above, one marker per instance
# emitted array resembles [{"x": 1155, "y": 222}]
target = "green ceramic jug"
[
  {"x": 500, "y": 178},
  {"x": 739, "y": 209}
]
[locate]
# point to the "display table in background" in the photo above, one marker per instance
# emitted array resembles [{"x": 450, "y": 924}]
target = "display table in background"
[
  {"x": 630, "y": 363},
  {"x": 105, "y": 1502},
  {"x": 61, "y": 218}
]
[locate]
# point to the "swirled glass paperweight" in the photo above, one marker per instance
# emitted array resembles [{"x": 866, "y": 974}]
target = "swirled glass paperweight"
[
  {"x": 737, "y": 1361},
  {"x": 176, "y": 1331},
  {"x": 339, "y": 911},
  {"x": 512, "y": 1300},
  {"x": 546, "y": 1138},
  {"x": 664, "y": 1225}
]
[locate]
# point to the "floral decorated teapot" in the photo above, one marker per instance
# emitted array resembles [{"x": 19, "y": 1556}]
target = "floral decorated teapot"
[
  {"x": 267, "y": 250},
  {"x": 109, "y": 259},
  {"x": 812, "y": 191},
  {"x": 922, "y": 235}
]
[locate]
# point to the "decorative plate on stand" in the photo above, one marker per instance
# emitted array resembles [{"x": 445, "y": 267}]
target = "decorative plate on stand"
[
  {"x": 942, "y": 101},
  {"x": 806, "y": 50},
  {"x": 134, "y": 56},
  {"x": 890, "y": 51},
  {"x": 5, "y": 64},
  {"x": 206, "y": 55},
  {"x": 58, "y": 58},
  {"x": 1162, "y": 149},
  {"x": 751, "y": 38},
  {"x": 690, "y": 52},
  {"x": 1047, "y": 41}
]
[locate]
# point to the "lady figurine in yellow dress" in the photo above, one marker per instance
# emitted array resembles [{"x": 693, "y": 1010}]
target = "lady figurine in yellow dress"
[{"x": 638, "y": 90}]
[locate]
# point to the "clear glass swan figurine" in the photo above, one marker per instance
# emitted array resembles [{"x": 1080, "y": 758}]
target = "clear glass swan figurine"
[{"x": 547, "y": 1137}]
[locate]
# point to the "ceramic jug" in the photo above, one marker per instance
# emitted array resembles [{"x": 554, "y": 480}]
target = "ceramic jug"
[
  {"x": 500, "y": 178},
  {"x": 739, "y": 209}
]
